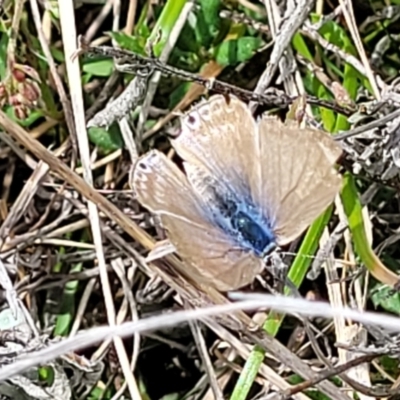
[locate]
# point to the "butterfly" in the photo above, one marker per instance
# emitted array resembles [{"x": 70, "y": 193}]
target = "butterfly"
[{"x": 248, "y": 186}]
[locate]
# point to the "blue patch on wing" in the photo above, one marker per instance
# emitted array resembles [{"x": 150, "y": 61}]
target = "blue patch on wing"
[{"x": 240, "y": 219}]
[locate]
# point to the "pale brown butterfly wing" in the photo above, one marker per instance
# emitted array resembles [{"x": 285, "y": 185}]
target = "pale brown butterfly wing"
[
  {"x": 210, "y": 254},
  {"x": 299, "y": 181},
  {"x": 222, "y": 137}
]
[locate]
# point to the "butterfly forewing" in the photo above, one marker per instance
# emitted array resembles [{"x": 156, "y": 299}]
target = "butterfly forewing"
[
  {"x": 211, "y": 255},
  {"x": 299, "y": 181},
  {"x": 221, "y": 135}
]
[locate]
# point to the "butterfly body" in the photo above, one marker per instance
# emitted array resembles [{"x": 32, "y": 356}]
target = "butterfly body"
[
  {"x": 240, "y": 219},
  {"x": 248, "y": 186}
]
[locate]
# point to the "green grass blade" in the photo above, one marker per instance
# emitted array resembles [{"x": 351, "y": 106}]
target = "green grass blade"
[
  {"x": 353, "y": 210},
  {"x": 165, "y": 23}
]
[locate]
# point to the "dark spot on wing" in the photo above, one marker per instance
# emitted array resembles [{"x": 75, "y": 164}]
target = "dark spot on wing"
[
  {"x": 142, "y": 165},
  {"x": 191, "y": 119}
]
